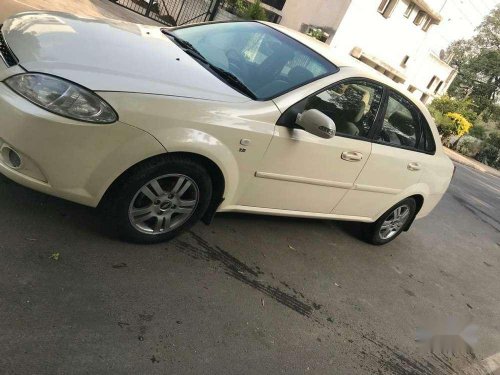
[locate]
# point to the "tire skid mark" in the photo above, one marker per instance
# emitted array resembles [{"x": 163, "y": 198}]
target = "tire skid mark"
[
  {"x": 478, "y": 213},
  {"x": 385, "y": 357},
  {"x": 399, "y": 363},
  {"x": 243, "y": 273}
]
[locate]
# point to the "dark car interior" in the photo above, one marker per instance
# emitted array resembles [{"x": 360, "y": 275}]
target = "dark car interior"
[
  {"x": 399, "y": 129},
  {"x": 348, "y": 106},
  {"x": 266, "y": 61}
]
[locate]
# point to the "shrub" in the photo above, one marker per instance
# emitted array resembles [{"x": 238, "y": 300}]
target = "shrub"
[
  {"x": 254, "y": 12},
  {"x": 489, "y": 155},
  {"x": 478, "y": 131},
  {"x": 446, "y": 104},
  {"x": 494, "y": 139},
  {"x": 469, "y": 146},
  {"x": 236, "y": 6},
  {"x": 318, "y": 34},
  {"x": 445, "y": 125},
  {"x": 247, "y": 10}
]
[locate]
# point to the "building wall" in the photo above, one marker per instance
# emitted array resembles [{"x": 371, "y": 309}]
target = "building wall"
[
  {"x": 357, "y": 28},
  {"x": 326, "y": 14},
  {"x": 389, "y": 40}
]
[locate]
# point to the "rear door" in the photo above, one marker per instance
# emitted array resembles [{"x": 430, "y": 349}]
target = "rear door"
[
  {"x": 302, "y": 172},
  {"x": 396, "y": 162}
]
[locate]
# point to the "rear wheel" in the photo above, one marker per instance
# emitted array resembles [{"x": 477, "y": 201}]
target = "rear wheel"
[
  {"x": 391, "y": 223},
  {"x": 159, "y": 199}
]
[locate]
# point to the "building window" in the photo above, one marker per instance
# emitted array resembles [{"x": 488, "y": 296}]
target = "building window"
[
  {"x": 412, "y": 89},
  {"x": 427, "y": 23},
  {"x": 438, "y": 87},
  {"x": 405, "y": 61},
  {"x": 278, "y": 4},
  {"x": 419, "y": 17},
  {"x": 431, "y": 82},
  {"x": 410, "y": 8},
  {"x": 386, "y": 7},
  {"x": 424, "y": 98}
]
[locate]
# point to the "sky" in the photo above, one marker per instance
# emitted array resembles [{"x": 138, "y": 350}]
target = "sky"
[{"x": 460, "y": 19}]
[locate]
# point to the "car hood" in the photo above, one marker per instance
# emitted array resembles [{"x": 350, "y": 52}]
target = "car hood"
[{"x": 108, "y": 55}]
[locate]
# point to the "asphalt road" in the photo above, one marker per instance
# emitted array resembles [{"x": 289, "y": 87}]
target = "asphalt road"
[{"x": 248, "y": 294}]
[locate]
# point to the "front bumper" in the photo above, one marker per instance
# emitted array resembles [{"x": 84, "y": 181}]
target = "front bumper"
[{"x": 66, "y": 158}]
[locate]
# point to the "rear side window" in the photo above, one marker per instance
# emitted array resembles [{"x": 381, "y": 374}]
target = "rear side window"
[{"x": 401, "y": 126}]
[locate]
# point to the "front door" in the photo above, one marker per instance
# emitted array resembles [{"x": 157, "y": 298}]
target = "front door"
[{"x": 302, "y": 172}]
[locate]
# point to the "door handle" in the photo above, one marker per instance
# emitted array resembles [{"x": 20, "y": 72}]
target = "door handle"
[
  {"x": 352, "y": 156},
  {"x": 413, "y": 166}
]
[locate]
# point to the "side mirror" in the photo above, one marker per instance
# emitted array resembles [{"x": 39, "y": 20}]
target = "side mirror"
[{"x": 316, "y": 123}]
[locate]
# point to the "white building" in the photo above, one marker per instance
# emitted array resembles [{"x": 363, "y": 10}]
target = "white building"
[{"x": 392, "y": 36}]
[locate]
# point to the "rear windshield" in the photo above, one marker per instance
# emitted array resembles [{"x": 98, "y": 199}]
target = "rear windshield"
[{"x": 268, "y": 62}]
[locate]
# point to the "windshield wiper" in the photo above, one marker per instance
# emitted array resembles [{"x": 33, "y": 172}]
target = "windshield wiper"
[
  {"x": 232, "y": 80},
  {"x": 186, "y": 46},
  {"x": 228, "y": 77}
]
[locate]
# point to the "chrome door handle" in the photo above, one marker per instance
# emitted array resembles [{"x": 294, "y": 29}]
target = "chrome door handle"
[
  {"x": 352, "y": 156},
  {"x": 413, "y": 167}
]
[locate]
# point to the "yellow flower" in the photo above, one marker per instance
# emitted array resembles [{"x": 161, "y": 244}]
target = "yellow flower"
[{"x": 463, "y": 126}]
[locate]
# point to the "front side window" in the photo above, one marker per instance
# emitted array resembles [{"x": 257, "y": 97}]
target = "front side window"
[
  {"x": 352, "y": 106},
  {"x": 401, "y": 125},
  {"x": 266, "y": 61}
]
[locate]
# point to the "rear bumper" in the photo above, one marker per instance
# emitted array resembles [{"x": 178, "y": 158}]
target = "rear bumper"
[{"x": 65, "y": 158}]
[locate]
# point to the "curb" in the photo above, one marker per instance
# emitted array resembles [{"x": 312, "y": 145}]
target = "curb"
[{"x": 460, "y": 159}]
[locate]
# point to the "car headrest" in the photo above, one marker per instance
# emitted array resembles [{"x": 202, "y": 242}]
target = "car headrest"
[
  {"x": 299, "y": 74},
  {"x": 402, "y": 122},
  {"x": 355, "y": 105}
]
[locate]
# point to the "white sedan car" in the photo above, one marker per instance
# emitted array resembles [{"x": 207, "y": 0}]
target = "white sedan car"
[{"x": 165, "y": 127}]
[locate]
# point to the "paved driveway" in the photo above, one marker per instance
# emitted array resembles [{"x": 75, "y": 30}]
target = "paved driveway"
[{"x": 249, "y": 294}]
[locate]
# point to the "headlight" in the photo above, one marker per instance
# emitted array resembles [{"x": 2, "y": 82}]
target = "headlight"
[{"x": 62, "y": 97}]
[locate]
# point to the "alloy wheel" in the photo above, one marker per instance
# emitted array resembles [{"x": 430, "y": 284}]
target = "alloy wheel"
[
  {"x": 164, "y": 204},
  {"x": 394, "y": 222}
]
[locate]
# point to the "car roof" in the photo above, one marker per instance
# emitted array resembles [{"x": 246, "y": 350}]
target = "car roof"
[{"x": 343, "y": 60}]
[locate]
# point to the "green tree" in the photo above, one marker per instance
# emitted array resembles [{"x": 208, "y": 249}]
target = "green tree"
[{"x": 477, "y": 61}]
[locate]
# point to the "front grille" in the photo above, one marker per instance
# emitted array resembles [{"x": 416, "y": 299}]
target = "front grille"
[{"x": 5, "y": 54}]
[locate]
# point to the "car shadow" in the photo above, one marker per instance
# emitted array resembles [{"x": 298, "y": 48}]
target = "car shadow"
[
  {"x": 352, "y": 229},
  {"x": 28, "y": 206}
]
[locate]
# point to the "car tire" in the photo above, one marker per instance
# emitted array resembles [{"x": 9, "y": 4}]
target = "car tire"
[
  {"x": 390, "y": 225},
  {"x": 140, "y": 210}
]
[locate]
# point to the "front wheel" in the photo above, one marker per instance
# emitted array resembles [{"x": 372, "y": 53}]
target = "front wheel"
[
  {"x": 391, "y": 223},
  {"x": 159, "y": 199}
]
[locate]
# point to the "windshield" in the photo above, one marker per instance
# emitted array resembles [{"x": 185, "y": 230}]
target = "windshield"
[{"x": 265, "y": 61}]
